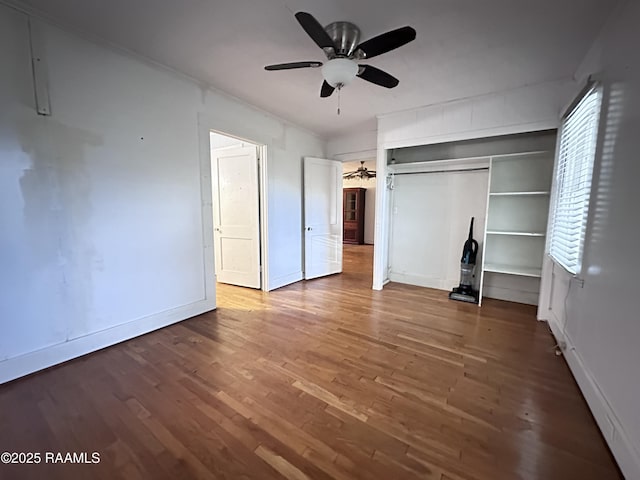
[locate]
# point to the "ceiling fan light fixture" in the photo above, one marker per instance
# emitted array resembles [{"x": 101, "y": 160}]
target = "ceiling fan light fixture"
[
  {"x": 362, "y": 172},
  {"x": 339, "y": 72}
]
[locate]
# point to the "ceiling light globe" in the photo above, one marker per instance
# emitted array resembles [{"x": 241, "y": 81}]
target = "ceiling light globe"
[{"x": 339, "y": 71}]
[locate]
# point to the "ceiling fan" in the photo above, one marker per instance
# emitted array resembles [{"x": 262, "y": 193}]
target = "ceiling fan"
[
  {"x": 361, "y": 172},
  {"x": 340, "y": 43}
]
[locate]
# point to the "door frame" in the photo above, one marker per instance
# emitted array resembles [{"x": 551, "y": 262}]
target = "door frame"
[{"x": 262, "y": 202}]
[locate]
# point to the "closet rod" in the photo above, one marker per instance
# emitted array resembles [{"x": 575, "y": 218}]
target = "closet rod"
[{"x": 442, "y": 171}]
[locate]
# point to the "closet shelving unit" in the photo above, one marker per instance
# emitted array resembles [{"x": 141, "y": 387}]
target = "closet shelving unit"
[{"x": 517, "y": 212}]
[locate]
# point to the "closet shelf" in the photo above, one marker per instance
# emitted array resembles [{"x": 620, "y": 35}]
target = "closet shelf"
[
  {"x": 516, "y": 234},
  {"x": 517, "y": 215},
  {"x": 520, "y": 194},
  {"x": 513, "y": 270}
]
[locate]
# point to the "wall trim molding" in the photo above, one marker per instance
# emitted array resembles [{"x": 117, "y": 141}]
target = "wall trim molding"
[
  {"x": 474, "y": 133},
  {"x": 418, "y": 280},
  {"x": 356, "y": 156},
  {"x": 32, "y": 362},
  {"x": 612, "y": 430}
]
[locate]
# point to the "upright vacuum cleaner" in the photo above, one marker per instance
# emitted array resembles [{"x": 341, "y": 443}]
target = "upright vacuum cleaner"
[{"x": 465, "y": 292}]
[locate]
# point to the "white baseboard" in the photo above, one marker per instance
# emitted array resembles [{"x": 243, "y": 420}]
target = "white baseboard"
[
  {"x": 284, "y": 280},
  {"x": 380, "y": 286},
  {"x": 421, "y": 280},
  {"x": 31, "y": 362},
  {"x": 543, "y": 314},
  {"x": 623, "y": 450}
]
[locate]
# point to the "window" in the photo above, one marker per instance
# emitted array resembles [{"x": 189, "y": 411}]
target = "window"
[{"x": 573, "y": 173}]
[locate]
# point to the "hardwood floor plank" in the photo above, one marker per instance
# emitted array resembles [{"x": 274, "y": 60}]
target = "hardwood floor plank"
[
  {"x": 330, "y": 399},
  {"x": 280, "y": 464}
]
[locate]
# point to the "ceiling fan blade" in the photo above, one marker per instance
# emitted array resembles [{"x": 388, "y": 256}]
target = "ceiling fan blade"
[
  {"x": 314, "y": 30},
  {"x": 289, "y": 66},
  {"x": 377, "y": 76},
  {"x": 326, "y": 90},
  {"x": 387, "y": 41}
]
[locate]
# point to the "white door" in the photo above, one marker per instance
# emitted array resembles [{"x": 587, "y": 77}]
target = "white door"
[
  {"x": 322, "y": 217},
  {"x": 235, "y": 216}
]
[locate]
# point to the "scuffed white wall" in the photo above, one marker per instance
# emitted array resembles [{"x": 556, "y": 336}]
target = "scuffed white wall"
[
  {"x": 599, "y": 320},
  {"x": 105, "y": 206},
  {"x": 101, "y": 202}
]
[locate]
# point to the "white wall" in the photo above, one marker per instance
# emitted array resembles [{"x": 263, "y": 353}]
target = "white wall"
[
  {"x": 526, "y": 109},
  {"x": 370, "y": 196},
  {"x": 353, "y": 146},
  {"x": 532, "y": 108},
  {"x": 601, "y": 324},
  {"x": 430, "y": 215},
  {"x": 105, "y": 206},
  {"x": 286, "y": 146}
]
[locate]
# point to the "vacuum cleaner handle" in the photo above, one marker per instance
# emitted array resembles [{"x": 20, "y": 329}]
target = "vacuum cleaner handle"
[
  {"x": 470, "y": 249},
  {"x": 474, "y": 250}
]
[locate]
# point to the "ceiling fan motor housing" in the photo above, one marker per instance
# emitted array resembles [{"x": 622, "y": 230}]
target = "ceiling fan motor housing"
[{"x": 345, "y": 36}]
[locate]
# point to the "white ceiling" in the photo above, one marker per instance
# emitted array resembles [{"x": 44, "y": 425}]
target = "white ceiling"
[{"x": 463, "y": 47}]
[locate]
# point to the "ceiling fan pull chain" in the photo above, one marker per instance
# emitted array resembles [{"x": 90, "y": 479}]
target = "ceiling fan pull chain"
[{"x": 339, "y": 89}]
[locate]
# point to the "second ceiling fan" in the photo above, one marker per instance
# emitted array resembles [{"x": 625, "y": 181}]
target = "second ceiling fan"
[{"x": 340, "y": 43}]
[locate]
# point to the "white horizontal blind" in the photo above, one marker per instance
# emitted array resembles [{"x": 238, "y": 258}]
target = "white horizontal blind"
[{"x": 573, "y": 181}]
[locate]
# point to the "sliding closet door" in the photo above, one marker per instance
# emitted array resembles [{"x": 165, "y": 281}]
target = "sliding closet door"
[{"x": 430, "y": 218}]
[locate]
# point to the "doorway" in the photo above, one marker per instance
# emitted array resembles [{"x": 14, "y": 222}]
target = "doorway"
[
  {"x": 359, "y": 216},
  {"x": 236, "y": 201}
]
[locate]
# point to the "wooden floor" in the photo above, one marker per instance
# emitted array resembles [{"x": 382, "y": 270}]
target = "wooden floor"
[{"x": 324, "y": 379}]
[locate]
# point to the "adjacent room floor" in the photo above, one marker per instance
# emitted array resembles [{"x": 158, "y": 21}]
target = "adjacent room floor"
[{"x": 325, "y": 379}]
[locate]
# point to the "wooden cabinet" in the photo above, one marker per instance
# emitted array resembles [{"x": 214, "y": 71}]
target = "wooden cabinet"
[{"x": 353, "y": 215}]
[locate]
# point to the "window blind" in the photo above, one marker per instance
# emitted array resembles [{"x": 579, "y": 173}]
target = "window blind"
[{"x": 573, "y": 174}]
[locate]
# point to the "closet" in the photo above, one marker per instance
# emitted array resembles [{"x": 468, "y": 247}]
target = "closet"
[
  {"x": 504, "y": 182},
  {"x": 432, "y": 205}
]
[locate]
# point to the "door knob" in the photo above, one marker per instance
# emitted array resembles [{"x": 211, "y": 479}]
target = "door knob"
[{"x": 308, "y": 229}]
